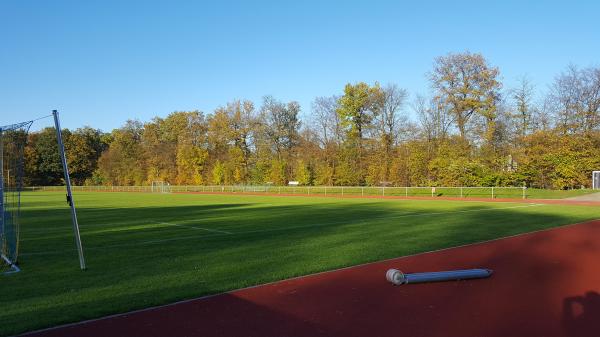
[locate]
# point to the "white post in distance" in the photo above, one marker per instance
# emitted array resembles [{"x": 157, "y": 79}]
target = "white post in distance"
[{"x": 61, "y": 150}]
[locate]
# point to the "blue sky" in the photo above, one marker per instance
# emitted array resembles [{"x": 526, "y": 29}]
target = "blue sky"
[{"x": 103, "y": 62}]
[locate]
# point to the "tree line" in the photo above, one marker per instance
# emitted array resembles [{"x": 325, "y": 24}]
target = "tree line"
[{"x": 467, "y": 131}]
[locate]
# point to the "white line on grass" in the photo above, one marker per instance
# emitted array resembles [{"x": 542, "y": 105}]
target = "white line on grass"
[
  {"x": 218, "y": 233},
  {"x": 194, "y": 227}
]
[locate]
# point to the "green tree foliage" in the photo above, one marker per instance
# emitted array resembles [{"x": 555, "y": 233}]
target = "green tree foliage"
[
  {"x": 277, "y": 172},
  {"x": 358, "y": 108},
  {"x": 218, "y": 173},
  {"x": 305, "y": 174},
  {"x": 83, "y": 148},
  {"x": 124, "y": 163}
]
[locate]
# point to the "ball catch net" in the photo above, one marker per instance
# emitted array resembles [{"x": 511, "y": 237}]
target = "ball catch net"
[{"x": 13, "y": 139}]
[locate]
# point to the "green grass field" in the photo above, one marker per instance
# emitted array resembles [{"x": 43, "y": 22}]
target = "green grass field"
[{"x": 148, "y": 249}]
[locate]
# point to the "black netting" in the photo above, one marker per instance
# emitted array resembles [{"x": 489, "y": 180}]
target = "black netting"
[{"x": 13, "y": 139}]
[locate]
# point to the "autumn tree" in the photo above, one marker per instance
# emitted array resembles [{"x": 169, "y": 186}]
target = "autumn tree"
[
  {"x": 83, "y": 147},
  {"x": 435, "y": 119},
  {"x": 463, "y": 133},
  {"x": 282, "y": 124},
  {"x": 357, "y": 109},
  {"x": 242, "y": 127},
  {"x": 389, "y": 123},
  {"x": 575, "y": 96},
  {"x": 469, "y": 86},
  {"x": 123, "y": 163},
  {"x": 329, "y": 136},
  {"x": 281, "y": 129},
  {"x": 522, "y": 97},
  {"x": 44, "y": 149},
  {"x": 192, "y": 152}
]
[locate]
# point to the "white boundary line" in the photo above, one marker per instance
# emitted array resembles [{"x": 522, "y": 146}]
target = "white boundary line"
[
  {"x": 303, "y": 276},
  {"x": 193, "y": 227}
]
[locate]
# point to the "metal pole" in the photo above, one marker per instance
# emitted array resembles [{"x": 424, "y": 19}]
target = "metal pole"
[
  {"x": 398, "y": 278},
  {"x": 61, "y": 150}
]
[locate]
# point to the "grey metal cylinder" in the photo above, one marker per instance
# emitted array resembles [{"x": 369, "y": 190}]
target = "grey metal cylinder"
[{"x": 397, "y": 277}]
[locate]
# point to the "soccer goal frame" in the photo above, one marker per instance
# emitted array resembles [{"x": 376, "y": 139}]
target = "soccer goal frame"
[
  {"x": 596, "y": 180},
  {"x": 160, "y": 186},
  {"x": 10, "y": 212}
]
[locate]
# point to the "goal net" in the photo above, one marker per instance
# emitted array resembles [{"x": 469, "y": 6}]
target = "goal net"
[
  {"x": 160, "y": 187},
  {"x": 13, "y": 139},
  {"x": 596, "y": 180}
]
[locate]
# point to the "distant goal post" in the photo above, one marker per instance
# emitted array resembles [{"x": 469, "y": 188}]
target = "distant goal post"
[
  {"x": 160, "y": 186},
  {"x": 596, "y": 180}
]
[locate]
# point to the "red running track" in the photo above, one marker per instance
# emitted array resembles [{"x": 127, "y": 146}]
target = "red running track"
[{"x": 545, "y": 284}]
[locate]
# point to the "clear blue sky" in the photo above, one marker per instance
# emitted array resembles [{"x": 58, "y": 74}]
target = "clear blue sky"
[{"x": 104, "y": 62}]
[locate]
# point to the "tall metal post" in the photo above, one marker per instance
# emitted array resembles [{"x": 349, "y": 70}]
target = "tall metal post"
[{"x": 61, "y": 149}]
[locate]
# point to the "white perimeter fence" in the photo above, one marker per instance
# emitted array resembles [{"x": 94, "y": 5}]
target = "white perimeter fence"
[{"x": 459, "y": 192}]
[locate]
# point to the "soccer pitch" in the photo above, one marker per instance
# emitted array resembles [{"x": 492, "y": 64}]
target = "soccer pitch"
[{"x": 147, "y": 249}]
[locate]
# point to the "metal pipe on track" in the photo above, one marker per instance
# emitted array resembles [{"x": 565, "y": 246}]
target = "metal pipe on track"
[{"x": 397, "y": 277}]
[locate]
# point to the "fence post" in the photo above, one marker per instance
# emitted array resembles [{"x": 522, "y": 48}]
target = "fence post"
[
  {"x": 362, "y": 191},
  {"x": 524, "y": 192},
  {"x": 279, "y": 190},
  {"x": 383, "y": 191},
  {"x": 342, "y": 191},
  {"x": 461, "y": 192},
  {"x": 406, "y": 191},
  {"x": 492, "y": 192}
]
